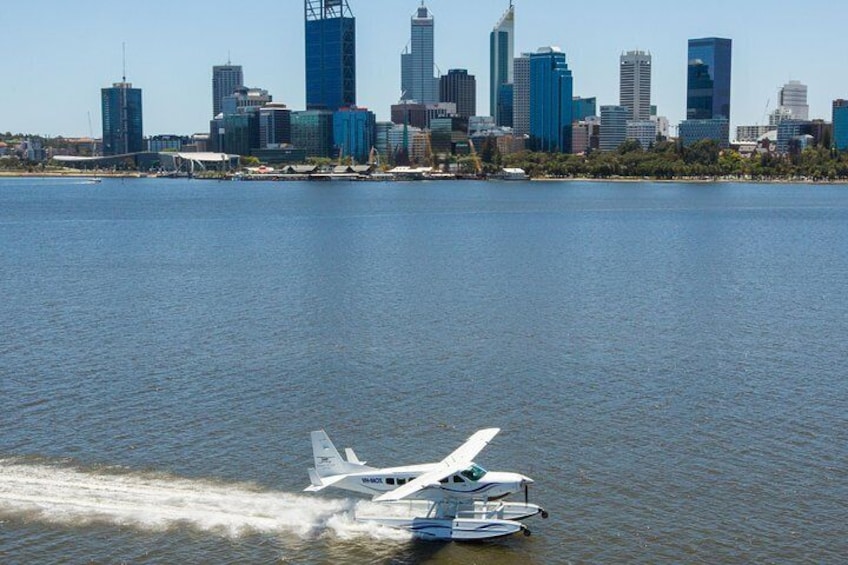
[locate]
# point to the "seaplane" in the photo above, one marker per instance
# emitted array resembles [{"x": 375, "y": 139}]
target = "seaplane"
[{"x": 454, "y": 499}]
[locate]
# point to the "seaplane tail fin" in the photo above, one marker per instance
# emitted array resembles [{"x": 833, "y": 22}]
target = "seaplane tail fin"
[{"x": 328, "y": 461}]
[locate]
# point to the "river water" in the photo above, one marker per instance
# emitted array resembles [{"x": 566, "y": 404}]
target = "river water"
[{"x": 667, "y": 361}]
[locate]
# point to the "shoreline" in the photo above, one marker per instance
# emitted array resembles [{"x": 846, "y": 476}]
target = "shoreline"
[
  {"x": 688, "y": 180},
  {"x": 620, "y": 180},
  {"x": 69, "y": 174}
]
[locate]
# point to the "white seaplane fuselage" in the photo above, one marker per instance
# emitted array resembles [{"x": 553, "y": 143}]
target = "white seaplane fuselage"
[{"x": 490, "y": 486}]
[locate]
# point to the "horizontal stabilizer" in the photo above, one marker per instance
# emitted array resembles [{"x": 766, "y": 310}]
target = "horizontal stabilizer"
[{"x": 322, "y": 483}]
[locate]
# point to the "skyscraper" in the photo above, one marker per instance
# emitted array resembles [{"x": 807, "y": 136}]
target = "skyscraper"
[
  {"x": 707, "y": 91},
  {"x": 330, "y": 54},
  {"x": 122, "y": 119},
  {"x": 225, "y": 80},
  {"x": 460, "y": 88},
  {"x": 521, "y": 95},
  {"x": 551, "y": 88},
  {"x": 635, "y": 84},
  {"x": 417, "y": 63},
  {"x": 708, "y": 86},
  {"x": 840, "y": 124},
  {"x": 501, "y": 50},
  {"x": 793, "y": 97}
]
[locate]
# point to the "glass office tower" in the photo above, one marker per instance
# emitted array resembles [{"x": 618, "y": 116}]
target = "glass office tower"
[
  {"x": 840, "y": 124},
  {"x": 354, "y": 133},
  {"x": 708, "y": 83},
  {"x": 122, "y": 120},
  {"x": 551, "y": 89},
  {"x": 501, "y": 52},
  {"x": 707, "y": 92},
  {"x": 330, "y": 55},
  {"x": 418, "y": 82}
]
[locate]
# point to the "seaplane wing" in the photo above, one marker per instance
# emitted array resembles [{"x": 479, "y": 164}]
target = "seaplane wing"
[
  {"x": 465, "y": 453},
  {"x": 458, "y": 460}
]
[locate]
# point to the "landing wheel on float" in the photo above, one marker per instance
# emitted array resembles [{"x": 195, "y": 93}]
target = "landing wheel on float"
[
  {"x": 544, "y": 514},
  {"x": 527, "y": 532}
]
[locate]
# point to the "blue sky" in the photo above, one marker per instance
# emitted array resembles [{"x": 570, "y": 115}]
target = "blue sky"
[{"x": 59, "y": 54}]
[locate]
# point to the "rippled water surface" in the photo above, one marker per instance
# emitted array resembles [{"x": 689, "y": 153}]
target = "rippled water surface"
[{"x": 667, "y": 361}]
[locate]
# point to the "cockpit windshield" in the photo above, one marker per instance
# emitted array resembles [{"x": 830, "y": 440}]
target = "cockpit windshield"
[{"x": 474, "y": 473}]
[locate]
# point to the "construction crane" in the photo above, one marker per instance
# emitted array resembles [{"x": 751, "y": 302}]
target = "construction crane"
[
  {"x": 430, "y": 154},
  {"x": 91, "y": 135},
  {"x": 765, "y": 112},
  {"x": 477, "y": 164}
]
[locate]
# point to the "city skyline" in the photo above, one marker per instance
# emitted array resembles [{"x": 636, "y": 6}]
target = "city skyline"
[{"x": 50, "y": 89}]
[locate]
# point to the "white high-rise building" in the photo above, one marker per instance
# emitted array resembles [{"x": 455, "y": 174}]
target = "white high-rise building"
[
  {"x": 635, "y": 84},
  {"x": 793, "y": 97},
  {"x": 501, "y": 52},
  {"x": 418, "y": 82},
  {"x": 521, "y": 95}
]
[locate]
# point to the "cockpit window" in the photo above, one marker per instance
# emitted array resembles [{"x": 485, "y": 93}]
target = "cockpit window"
[{"x": 474, "y": 473}]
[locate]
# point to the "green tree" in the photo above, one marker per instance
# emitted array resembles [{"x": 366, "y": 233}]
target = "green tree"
[
  {"x": 704, "y": 152},
  {"x": 249, "y": 161}
]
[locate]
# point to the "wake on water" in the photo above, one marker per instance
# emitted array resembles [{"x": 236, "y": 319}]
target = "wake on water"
[{"x": 73, "y": 497}]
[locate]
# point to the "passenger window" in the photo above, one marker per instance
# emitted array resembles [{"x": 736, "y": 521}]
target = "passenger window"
[
  {"x": 401, "y": 481},
  {"x": 390, "y": 481},
  {"x": 457, "y": 479},
  {"x": 444, "y": 481}
]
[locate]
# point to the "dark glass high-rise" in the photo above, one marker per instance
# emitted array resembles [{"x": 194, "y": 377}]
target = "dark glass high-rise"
[
  {"x": 708, "y": 78},
  {"x": 330, "y": 55},
  {"x": 122, "y": 119}
]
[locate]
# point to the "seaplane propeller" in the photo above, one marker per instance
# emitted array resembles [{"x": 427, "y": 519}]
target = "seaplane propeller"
[{"x": 542, "y": 512}]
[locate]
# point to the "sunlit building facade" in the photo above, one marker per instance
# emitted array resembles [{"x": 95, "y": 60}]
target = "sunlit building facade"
[{"x": 551, "y": 93}]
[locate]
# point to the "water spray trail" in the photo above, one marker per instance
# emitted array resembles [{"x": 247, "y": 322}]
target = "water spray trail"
[{"x": 59, "y": 495}]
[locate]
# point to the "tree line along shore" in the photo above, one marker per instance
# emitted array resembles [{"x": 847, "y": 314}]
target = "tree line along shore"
[{"x": 666, "y": 160}]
